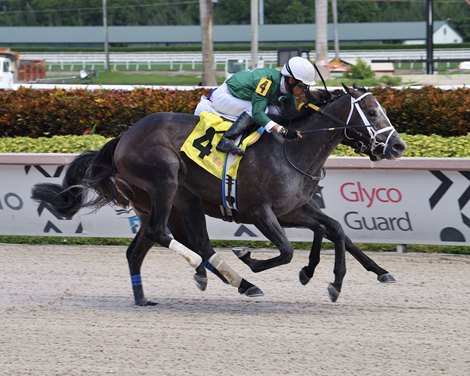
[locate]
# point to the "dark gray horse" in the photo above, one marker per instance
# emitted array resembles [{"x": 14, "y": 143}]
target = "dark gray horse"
[{"x": 277, "y": 178}]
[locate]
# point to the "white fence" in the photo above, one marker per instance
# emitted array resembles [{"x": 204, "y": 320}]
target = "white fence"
[
  {"x": 407, "y": 201},
  {"x": 177, "y": 60}
]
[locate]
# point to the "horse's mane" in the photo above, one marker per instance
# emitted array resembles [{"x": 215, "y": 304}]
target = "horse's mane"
[{"x": 320, "y": 98}]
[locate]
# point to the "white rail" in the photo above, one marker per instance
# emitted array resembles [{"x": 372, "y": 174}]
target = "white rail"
[{"x": 176, "y": 60}]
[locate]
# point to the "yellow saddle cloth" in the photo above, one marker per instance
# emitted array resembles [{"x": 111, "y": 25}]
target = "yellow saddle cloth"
[
  {"x": 200, "y": 148},
  {"x": 201, "y": 143}
]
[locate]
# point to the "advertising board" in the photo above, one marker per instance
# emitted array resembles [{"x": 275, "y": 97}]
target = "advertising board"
[{"x": 408, "y": 201}]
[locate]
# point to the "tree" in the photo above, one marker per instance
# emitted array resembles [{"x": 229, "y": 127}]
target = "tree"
[
  {"x": 208, "y": 71},
  {"x": 321, "y": 23},
  {"x": 366, "y": 11}
]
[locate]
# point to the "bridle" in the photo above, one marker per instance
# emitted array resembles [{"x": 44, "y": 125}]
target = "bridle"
[
  {"x": 360, "y": 142},
  {"x": 373, "y": 133},
  {"x": 365, "y": 143}
]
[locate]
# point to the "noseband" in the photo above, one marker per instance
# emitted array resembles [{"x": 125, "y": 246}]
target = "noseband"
[{"x": 373, "y": 133}]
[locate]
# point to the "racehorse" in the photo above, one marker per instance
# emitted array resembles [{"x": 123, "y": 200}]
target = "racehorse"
[{"x": 144, "y": 168}]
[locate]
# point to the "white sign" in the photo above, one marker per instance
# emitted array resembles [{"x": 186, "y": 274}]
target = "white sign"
[{"x": 374, "y": 205}]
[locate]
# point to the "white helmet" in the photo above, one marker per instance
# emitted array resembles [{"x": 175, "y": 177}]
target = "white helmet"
[{"x": 301, "y": 69}]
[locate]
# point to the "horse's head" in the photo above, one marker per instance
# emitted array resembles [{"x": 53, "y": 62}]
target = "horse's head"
[{"x": 369, "y": 130}]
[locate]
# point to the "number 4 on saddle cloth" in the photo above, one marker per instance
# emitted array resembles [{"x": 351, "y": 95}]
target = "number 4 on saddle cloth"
[{"x": 200, "y": 147}]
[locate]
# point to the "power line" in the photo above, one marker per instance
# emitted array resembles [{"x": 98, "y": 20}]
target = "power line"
[{"x": 61, "y": 10}]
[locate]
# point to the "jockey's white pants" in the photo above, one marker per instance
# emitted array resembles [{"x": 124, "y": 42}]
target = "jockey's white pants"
[{"x": 226, "y": 104}]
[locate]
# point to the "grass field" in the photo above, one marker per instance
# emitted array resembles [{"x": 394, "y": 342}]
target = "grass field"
[
  {"x": 135, "y": 78},
  {"x": 170, "y": 78},
  {"x": 416, "y": 248}
]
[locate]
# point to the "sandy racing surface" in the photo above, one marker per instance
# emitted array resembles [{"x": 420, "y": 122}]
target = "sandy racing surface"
[{"x": 69, "y": 311}]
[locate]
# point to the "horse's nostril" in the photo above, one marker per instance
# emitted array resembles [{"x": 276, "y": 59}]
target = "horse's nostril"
[{"x": 399, "y": 146}]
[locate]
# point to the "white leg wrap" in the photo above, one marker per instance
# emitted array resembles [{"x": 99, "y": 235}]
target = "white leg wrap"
[
  {"x": 230, "y": 275},
  {"x": 192, "y": 257}
]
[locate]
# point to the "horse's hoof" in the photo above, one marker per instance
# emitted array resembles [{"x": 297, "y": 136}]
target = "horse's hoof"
[
  {"x": 386, "y": 278},
  {"x": 201, "y": 282},
  {"x": 251, "y": 292},
  {"x": 333, "y": 293},
  {"x": 145, "y": 302},
  {"x": 241, "y": 252},
  {"x": 303, "y": 277}
]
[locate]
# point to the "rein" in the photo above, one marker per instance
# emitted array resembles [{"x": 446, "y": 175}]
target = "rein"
[
  {"x": 313, "y": 177},
  {"x": 322, "y": 80}
]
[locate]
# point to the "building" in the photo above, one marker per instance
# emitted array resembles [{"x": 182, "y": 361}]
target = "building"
[{"x": 349, "y": 33}]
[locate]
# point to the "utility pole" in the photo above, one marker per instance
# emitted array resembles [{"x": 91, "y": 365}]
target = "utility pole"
[
  {"x": 429, "y": 38},
  {"x": 106, "y": 38},
  {"x": 254, "y": 33},
  {"x": 208, "y": 70},
  {"x": 321, "y": 22}
]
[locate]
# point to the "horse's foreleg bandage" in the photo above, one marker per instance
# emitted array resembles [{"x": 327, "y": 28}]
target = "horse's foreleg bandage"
[
  {"x": 230, "y": 275},
  {"x": 192, "y": 257}
]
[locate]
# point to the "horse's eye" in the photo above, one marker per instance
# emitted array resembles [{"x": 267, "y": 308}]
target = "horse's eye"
[{"x": 372, "y": 113}]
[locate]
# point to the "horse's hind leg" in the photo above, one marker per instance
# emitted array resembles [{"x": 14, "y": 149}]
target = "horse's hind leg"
[
  {"x": 160, "y": 184},
  {"x": 135, "y": 254},
  {"x": 370, "y": 265},
  {"x": 306, "y": 273},
  {"x": 192, "y": 216},
  {"x": 179, "y": 231}
]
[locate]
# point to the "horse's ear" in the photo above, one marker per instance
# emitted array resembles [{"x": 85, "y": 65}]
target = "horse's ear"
[{"x": 346, "y": 88}]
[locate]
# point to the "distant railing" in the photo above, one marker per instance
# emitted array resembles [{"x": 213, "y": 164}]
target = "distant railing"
[
  {"x": 192, "y": 61},
  {"x": 142, "y": 61}
]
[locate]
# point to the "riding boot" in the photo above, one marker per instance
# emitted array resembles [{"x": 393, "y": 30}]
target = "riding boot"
[{"x": 226, "y": 143}]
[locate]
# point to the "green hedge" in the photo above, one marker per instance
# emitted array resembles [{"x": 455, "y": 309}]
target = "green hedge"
[
  {"x": 418, "y": 145},
  {"x": 37, "y": 113},
  {"x": 428, "y": 110}
]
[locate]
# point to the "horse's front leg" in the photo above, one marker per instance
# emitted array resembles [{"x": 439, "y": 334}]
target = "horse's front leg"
[
  {"x": 370, "y": 265},
  {"x": 306, "y": 273},
  {"x": 312, "y": 217}
]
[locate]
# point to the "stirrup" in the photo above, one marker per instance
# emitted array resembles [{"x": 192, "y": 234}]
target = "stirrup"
[
  {"x": 234, "y": 151},
  {"x": 237, "y": 151}
]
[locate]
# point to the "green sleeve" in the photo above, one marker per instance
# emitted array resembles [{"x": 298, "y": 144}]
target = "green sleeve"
[{"x": 259, "y": 105}]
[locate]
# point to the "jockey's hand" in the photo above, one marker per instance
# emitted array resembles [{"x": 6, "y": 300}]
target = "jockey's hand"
[{"x": 290, "y": 134}]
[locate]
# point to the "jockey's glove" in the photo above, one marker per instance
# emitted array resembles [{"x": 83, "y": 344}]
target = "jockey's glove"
[{"x": 286, "y": 133}]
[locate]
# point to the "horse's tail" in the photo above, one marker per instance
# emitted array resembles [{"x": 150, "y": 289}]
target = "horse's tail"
[{"x": 90, "y": 170}]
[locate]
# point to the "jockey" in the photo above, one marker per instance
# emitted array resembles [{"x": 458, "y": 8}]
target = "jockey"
[{"x": 252, "y": 94}]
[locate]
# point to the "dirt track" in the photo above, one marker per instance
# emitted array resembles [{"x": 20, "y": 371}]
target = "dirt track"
[{"x": 69, "y": 311}]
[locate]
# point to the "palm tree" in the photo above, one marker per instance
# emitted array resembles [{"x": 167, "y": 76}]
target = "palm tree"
[
  {"x": 208, "y": 70},
  {"x": 321, "y": 22}
]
